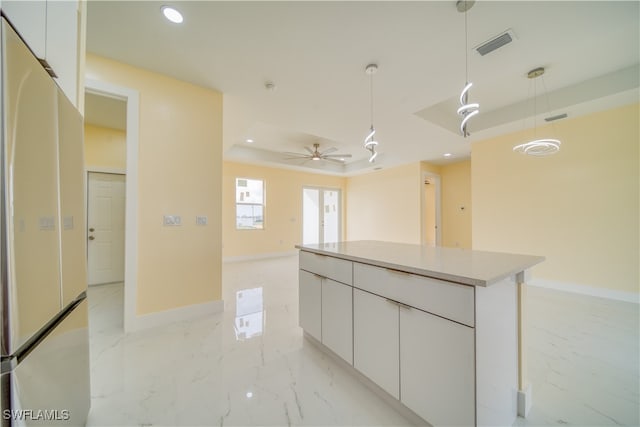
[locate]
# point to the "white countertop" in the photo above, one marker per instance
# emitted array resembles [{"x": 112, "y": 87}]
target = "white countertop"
[{"x": 477, "y": 268}]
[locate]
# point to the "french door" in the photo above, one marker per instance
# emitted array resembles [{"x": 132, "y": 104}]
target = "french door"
[{"x": 321, "y": 215}]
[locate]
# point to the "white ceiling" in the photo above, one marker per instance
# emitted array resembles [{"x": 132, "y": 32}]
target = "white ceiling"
[{"x": 316, "y": 52}]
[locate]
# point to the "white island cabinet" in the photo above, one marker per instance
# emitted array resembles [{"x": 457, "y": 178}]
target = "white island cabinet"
[
  {"x": 325, "y": 302},
  {"x": 436, "y": 329}
]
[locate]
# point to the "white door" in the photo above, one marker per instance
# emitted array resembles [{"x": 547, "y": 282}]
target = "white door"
[
  {"x": 376, "y": 340},
  {"x": 105, "y": 233},
  {"x": 437, "y": 368},
  {"x": 321, "y": 213},
  {"x": 309, "y": 303},
  {"x": 337, "y": 318}
]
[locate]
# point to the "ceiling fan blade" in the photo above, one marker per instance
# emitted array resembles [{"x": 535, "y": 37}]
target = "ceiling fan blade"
[
  {"x": 328, "y": 150},
  {"x": 337, "y": 155},
  {"x": 297, "y": 158},
  {"x": 289, "y": 153},
  {"x": 336, "y": 161},
  {"x": 309, "y": 150}
]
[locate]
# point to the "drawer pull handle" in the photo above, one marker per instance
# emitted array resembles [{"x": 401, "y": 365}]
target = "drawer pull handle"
[
  {"x": 392, "y": 302},
  {"x": 398, "y": 272},
  {"x": 319, "y": 276},
  {"x": 405, "y": 306}
]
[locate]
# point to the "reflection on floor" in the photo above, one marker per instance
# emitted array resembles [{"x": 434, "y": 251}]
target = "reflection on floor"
[{"x": 251, "y": 366}]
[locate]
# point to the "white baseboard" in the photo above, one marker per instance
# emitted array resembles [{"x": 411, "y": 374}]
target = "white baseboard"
[
  {"x": 586, "y": 290},
  {"x": 259, "y": 256},
  {"x": 166, "y": 317}
]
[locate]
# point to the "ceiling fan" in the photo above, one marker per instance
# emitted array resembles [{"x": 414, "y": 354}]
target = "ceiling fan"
[{"x": 315, "y": 154}]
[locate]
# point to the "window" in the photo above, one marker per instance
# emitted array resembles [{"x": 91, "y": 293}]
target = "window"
[{"x": 249, "y": 204}]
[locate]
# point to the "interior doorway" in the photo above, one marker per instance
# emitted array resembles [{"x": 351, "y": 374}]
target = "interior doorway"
[
  {"x": 105, "y": 227},
  {"x": 430, "y": 198},
  {"x": 321, "y": 215},
  {"x": 131, "y": 100}
]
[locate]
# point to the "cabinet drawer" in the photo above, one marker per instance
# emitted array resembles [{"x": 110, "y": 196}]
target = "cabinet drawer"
[
  {"x": 336, "y": 269},
  {"x": 450, "y": 300}
]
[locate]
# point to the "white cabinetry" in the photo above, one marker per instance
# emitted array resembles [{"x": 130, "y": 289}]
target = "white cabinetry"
[
  {"x": 434, "y": 328},
  {"x": 437, "y": 377},
  {"x": 62, "y": 45},
  {"x": 376, "y": 340},
  {"x": 325, "y": 295},
  {"x": 310, "y": 297},
  {"x": 337, "y": 318},
  {"x": 29, "y": 19},
  {"x": 50, "y": 29}
]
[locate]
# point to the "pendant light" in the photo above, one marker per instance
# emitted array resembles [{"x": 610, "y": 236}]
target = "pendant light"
[
  {"x": 369, "y": 142},
  {"x": 538, "y": 146},
  {"x": 466, "y": 110}
]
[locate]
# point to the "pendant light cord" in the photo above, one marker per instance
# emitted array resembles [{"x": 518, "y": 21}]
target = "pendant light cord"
[
  {"x": 535, "y": 107},
  {"x": 466, "y": 47},
  {"x": 371, "y": 96}
]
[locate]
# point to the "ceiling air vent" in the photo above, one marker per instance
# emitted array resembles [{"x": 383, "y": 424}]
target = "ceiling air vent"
[
  {"x": 496, "y": 42},
  {"x": 554, "y": 118}
]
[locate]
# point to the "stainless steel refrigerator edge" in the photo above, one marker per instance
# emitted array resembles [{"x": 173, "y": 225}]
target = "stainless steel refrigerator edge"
[{"x": 44, "y": 331}]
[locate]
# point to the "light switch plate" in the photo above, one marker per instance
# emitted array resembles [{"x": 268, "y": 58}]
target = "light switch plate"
[
  {"x": 47, "y": 223},
  {"x": 172, "y": 220},
  {"x": 68, "y": 222},
  {"x": 201, "y": 220}
]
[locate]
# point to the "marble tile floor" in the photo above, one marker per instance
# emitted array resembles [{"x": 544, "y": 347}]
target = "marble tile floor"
[{"x": 251, "y": 365}]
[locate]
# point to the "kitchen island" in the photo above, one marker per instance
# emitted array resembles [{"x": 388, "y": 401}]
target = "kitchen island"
[{"x": 435, "y": 328}]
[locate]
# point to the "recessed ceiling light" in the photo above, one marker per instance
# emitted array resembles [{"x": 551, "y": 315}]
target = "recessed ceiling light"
[
  {"x": 249, "y": 141},
  {"x": 447, "y": 154},
  {"x": 172, "y": 14}
]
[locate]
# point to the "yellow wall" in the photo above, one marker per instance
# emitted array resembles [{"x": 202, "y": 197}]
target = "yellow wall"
[
  {"x": 105, "y": 147},
  {"x": 385, "y": 205},
  {"x": 579, "y": 208},
  {"x": 456, "y": 193},
  {"x": 180, "y": 173},
  {"x": 283, "y": 215}
]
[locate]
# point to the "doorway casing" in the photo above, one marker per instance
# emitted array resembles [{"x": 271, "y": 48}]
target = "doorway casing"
[{"x": 132, "y": 99}]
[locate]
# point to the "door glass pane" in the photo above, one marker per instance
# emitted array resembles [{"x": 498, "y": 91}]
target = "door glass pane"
[{"x": 311, "y": 216}]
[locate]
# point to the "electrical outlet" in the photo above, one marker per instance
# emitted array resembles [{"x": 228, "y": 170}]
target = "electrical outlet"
[{"x": 201, "y": 220}]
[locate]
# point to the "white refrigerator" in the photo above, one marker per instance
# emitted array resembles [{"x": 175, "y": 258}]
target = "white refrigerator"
[{"x": 44, "y": 339}]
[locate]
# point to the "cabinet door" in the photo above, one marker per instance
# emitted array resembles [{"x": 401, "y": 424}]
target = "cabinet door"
[
  {"x": 437, "y": 368},
  {"x": 29, "y": 19},
  {"x": 310, "y": 303},
  {"x": 376, "y": 340},
  {"x": 62, "y": 45},
  {"x": 337, "y": 318}
]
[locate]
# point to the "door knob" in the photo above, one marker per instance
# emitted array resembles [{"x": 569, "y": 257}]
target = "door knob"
[
  {"x": 92, "y": 229},
  {"x": 91, "y": 238}
]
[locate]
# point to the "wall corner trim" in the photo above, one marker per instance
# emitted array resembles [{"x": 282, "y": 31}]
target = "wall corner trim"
[
  {"x": 593, "y": 291},
  {"x": 167, "y": 317},
  {"x": 525, "y": 400}
]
